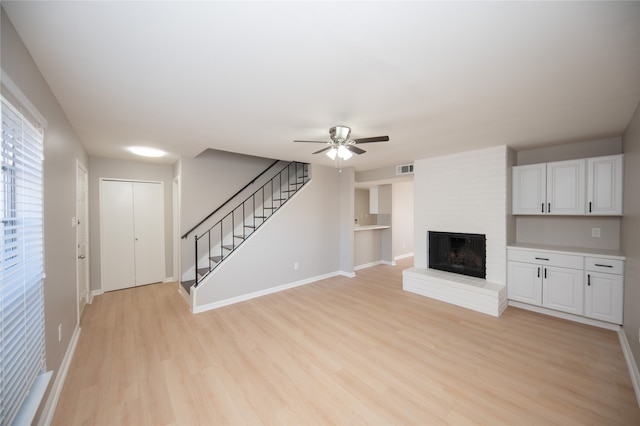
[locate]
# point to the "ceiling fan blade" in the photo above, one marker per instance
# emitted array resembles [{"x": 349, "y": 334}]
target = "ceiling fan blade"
[
  {"x": 312, "y": 142},
  {"x": 355, "y": 149},
  {"x": 373, "y": 139},
  {"x": 322, "y": 150}
]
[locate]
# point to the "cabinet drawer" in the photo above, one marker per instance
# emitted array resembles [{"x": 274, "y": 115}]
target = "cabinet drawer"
[
  {"x": 550, "y": 259},
  {"x": 609, "y": 266}
]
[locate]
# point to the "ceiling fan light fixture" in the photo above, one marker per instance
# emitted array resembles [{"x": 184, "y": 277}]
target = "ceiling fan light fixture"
[
  {"x": 332, "y": 153},
  {"x": 339, "y": 133},
  {"x": 344, "y": 153}
]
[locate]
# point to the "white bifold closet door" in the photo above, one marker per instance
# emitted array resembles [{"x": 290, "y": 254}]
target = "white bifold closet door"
[{"x": 132, "y": 233}]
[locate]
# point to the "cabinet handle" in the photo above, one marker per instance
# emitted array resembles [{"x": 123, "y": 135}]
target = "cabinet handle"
[
  {"x": 589, "y": 206},
  {"x": 542, "y": 208},
  {"x": 542, "y": 258},
  {"x": 589, "y": 279},
  {"x": 538, "y": 272},
  {"x": 545, "y": 273},
  {"x": 604, "y": 266},
  {"x": 549, "y": 208}
]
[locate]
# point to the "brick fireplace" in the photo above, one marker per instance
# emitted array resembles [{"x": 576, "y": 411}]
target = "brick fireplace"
[{"x": 468, "y": 193}]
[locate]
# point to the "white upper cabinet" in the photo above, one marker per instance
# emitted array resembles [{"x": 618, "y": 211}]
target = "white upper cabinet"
[
  {"x": 565, "y": 187},
  {"x": 549, "y": 188},
  {"x": 591, "y": 186},
  {"x": 604, "y": 185},
  {"x": 530, "y": 189}
]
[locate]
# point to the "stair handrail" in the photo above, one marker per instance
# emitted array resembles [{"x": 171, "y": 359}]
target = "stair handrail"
[
  {"x": 255, "y": 192},
  {"x": 229, "y": 200},
  {"x": 231, "y": 213}
]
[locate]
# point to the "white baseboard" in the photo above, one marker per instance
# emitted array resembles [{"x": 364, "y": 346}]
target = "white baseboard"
[
  {"x": 219, "y": 304},
  {"x": 52, "y": 401},
  {"x": 95, "y": 293},
  {"x": 367, "y": 265},
  {"x": 631, "y": 363},
  {"x": 565, "y": 315},
  {"x": 403, "y": 256}
]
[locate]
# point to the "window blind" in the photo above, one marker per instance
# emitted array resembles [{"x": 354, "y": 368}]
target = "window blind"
[{"x": 22, "y": 345}]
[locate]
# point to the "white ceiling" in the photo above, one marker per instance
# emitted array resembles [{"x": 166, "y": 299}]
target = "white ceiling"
[{"x": 250, "y": 77}]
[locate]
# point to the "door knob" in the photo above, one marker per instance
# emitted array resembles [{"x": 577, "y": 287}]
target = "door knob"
[{"x": 82, "y": 256}]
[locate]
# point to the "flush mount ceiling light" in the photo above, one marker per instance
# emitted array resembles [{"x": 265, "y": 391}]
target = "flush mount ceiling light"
[{"x": 145, "y": 151}]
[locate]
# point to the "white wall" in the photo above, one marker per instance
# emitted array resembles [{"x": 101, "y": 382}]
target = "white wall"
[
  {"x": 306, "y": 231},
  {"x": 631, "y": 234},
  {"x": 402, "y": 219},
  {"x": 467, "y": 193},
  {"x": 61, "y": 149},
  {"x": 134, "y": 170}
]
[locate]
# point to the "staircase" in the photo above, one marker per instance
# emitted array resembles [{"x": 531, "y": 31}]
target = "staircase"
[{"x": 213, "y": 245}]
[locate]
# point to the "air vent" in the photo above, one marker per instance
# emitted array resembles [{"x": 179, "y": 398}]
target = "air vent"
[{"x": 404, "y": 169}]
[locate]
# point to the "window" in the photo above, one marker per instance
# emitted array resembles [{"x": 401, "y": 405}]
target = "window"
[{"x": 22, "y": 346}]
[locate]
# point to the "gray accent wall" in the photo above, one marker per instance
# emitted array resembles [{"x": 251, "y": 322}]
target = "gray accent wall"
[
  {"x": 631, "y": 234},
  {"x": 135, "y": 171},
  {"x": 62, "y": 148},
  {"x": 306, "y": 231},
  {"x": 210, "y": 179}
]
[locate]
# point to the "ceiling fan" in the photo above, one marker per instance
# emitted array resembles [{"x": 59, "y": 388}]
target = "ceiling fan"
[{"x": 342, "y": 146}]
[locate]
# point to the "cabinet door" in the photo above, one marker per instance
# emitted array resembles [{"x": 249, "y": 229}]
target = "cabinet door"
[
  {"x": 566, "y": 187},
  {"x": 563, "y": 289},
  {"x": 373, "y": 200},
  {"x": 603, "y": 297},
  {"x": 529, "y": 189},
  {"x": 524, "y": 282},
  {"x": 604, "y": 185}
]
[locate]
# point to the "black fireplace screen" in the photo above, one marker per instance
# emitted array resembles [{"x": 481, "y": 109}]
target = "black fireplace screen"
[{"x": 459, "y": 253}]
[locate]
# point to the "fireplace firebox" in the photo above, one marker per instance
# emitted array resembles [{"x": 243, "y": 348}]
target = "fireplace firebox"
[{"x": 458, "y": 253}]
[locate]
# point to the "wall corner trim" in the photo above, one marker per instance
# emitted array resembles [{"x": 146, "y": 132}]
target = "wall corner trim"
[{"x": 631, "y": 364}]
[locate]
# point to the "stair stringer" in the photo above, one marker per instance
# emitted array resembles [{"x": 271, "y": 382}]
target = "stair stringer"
[{"x": 250, "y": 271}]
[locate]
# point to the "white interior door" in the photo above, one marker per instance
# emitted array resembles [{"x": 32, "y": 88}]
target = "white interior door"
[
  {"x": 82, "y": 238},
  {"x": 148, "y": 213},
  {"x": 116, "y": 235}
]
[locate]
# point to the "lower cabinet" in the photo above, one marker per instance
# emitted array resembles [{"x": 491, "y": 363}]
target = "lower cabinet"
[
  {"x": 563, "y": 289},
  {"x": 579, "y": 285},
  {"x": 603, "y": 297}
]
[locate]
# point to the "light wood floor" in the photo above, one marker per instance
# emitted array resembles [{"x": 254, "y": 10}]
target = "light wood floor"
[{"x": 339, "y": 351}]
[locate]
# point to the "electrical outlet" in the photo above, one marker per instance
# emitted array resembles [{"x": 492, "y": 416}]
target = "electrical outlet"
[
  {"x": 595, "y": 232},
  {"x": 59, "y": 332}
]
